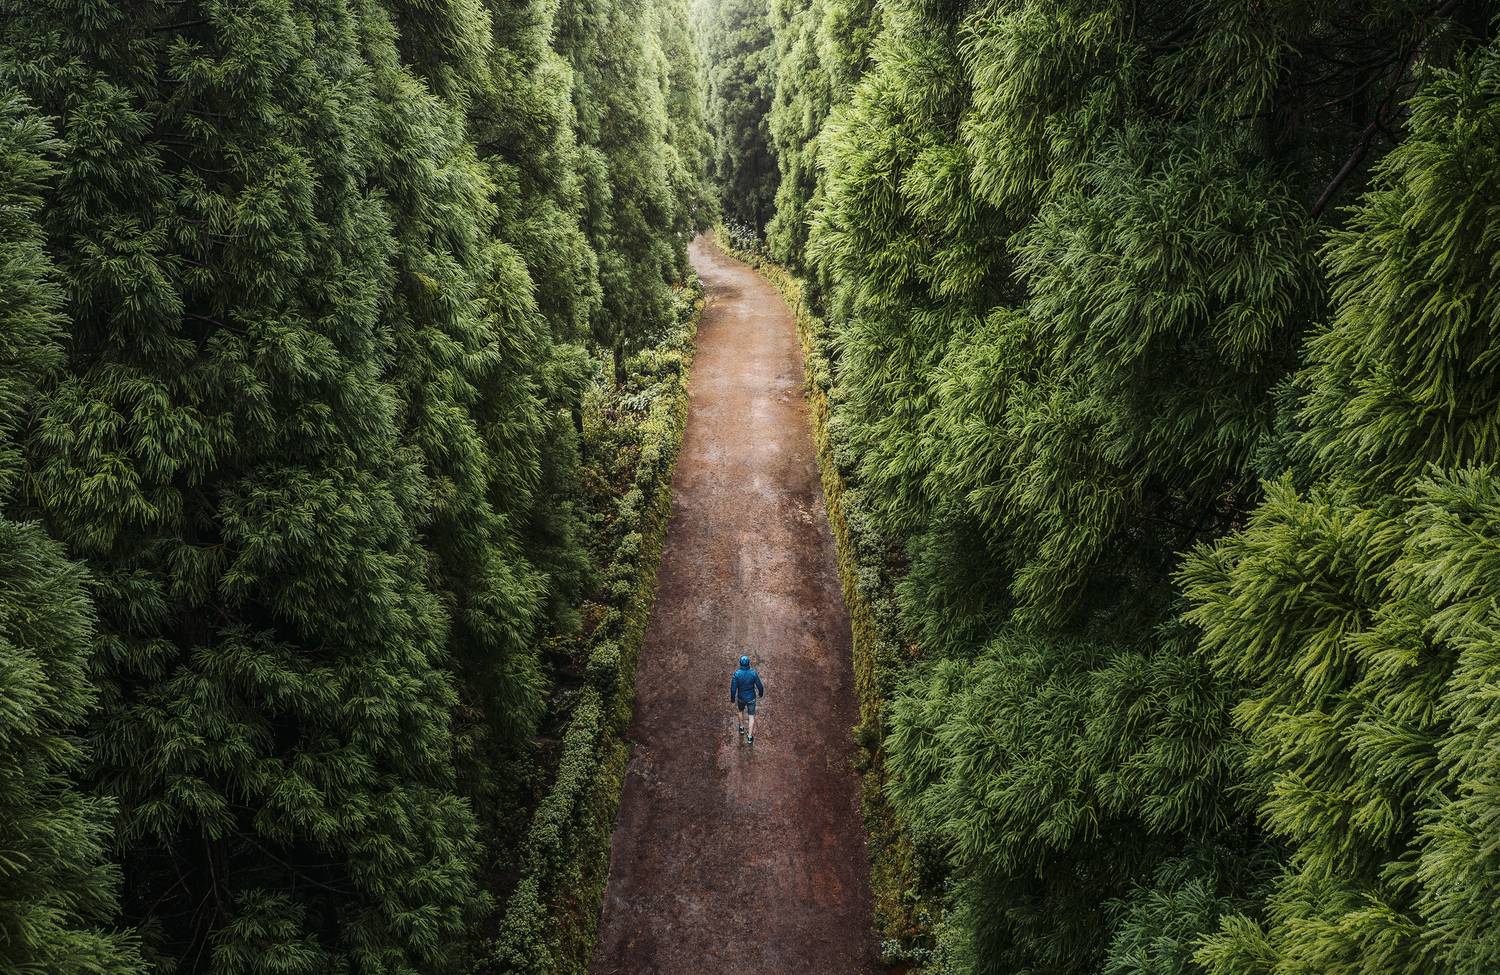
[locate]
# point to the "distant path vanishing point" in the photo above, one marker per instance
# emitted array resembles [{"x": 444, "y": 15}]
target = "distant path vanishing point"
[{"x": 728, "y": 857}]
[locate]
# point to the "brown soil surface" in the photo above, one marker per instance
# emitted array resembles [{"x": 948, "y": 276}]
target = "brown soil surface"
[{"x": 730, "y": 857}]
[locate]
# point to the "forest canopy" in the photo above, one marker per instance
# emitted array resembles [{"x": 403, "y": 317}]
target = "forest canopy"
[
  {"x": 1160, "y": 348},
  {"x": 302, "y": 303},
  {"x": 1155, "y": 351}
]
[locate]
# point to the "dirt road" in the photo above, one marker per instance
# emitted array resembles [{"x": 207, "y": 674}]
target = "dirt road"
[{"x": 728, "y": 857}]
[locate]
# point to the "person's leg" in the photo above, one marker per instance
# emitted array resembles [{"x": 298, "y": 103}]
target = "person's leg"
[
  {"x": 739, "y": 716},
  {"x": 750, "y": 711}
]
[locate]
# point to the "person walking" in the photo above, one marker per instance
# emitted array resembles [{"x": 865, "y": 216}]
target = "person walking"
[{"x": 745, "y": 689}]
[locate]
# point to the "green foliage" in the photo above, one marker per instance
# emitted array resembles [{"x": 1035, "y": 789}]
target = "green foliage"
[
  {"x": 1069, "y": 256},
  {"x": 737, "y": 48},
  {"x": 470, "y": 350},
  {"x": 1359, "y": 614},
  {"x": 325, "y": 270},
  {"x": 31, "y": 347},
  {"x": 632, "y": 435},
  {"x": 1160, "y": 926},
  {"x": 224, "y": 454},
  {"x": 1050, "y": 772},
  {"x": 630, "y": 162},
  {"x": 820, "y": 50},
  {"x": 1165, "y": 289},
  {"x": 523, "y": 123},
  {"x": 58, "y": 890},
  {"x": 687, "y": 125}
]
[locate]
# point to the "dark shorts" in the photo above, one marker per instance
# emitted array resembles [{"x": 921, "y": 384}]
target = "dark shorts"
[{"x": 746, "y": 706}]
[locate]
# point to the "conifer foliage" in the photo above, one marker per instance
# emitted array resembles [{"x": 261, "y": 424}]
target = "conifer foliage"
[
  {"x": 57, "y": 888},
  {"x": 634, "y": 171},
  {"x": 819, "y": 53},
  {"x": 1186, "y": 672},
  {"x": 1358, "y": 612},
  {"x": 224, "y": 454},
  {"x": 300, "y": 302},
  {"x": 738, "y": 53}
]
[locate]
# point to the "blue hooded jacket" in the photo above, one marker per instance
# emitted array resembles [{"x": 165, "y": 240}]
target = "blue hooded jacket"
[{"x": 745, "y": 685}]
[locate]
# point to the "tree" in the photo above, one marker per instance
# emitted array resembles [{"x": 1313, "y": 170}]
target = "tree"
[
  {"x": 1068, "y": 253},
  {"x": 687, "y": 126},
  {"x": 328, "y": 268},
  {"x": 58, "y": 889},
  {"x": 471, "y": 348},
  {"x": 1357, "y": 611},
  {"x": 629, "y": 210},
  {"x": 737, "y": 45},
  {"x": 820, "y": 51},
  {"x": 224, "y": 454}
]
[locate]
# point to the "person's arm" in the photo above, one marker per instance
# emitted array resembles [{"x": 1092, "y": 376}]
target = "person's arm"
[
  {"x": 761, "y": 688},
  {"x": 731, "y": 688}
]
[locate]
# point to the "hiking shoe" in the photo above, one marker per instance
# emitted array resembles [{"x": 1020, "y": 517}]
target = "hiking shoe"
[
  {"x": 742, "y": 729},
  {"x": 750, "y": 740}
]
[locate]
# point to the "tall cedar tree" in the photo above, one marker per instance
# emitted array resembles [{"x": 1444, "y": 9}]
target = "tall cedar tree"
[
  {"x": 737, "y": 40},
  {"x": 1069, "y": 254},
  {"x": 224, "y": 454},
  {"x": 522, "y": 119},
  {"x": 615, "y": 53},
  {"x": 1357, "y": 606},
  {"x": 821, "y": 51},
  {"x": 688, "y": 139},
  {"x": 470, "y": 348},
  {"x": 329, "y": 265},
  {"x": 58, "y": 891},
  {"x": 523, "y": 123}
]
